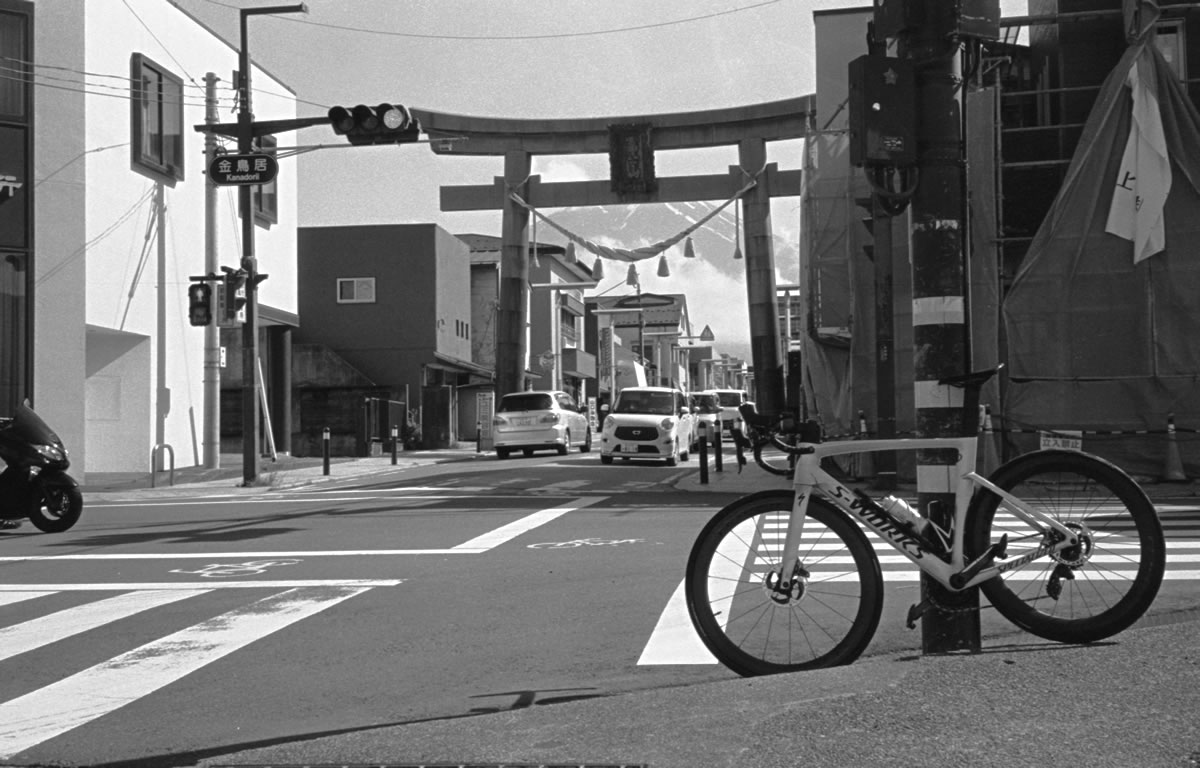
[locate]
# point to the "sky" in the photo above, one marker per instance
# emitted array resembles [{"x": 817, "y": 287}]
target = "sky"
[{"x": 528, "y": 59}]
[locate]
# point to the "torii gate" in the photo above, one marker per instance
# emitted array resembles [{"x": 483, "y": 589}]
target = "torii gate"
[{"x": 630, "y": 143}]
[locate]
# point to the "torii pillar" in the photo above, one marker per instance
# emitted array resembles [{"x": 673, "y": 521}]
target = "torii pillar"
[{"x": 630, "y": 143}]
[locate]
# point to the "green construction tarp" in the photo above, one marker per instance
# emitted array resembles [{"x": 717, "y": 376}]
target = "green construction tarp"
[{"x": 1096, "y": 343}]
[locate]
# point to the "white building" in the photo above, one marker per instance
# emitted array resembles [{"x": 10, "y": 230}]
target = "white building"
[{"x": 93, "y": 303}]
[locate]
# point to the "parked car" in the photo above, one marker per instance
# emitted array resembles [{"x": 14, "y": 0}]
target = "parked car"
[
  {"x": 648, "y": 423},
  {"x": 532, "y": 421},
  {"x": 730, "y": 400},
  {"x": 706, "y": 413}
]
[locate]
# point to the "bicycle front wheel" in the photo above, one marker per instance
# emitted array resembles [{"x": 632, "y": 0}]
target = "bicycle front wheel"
[
  {"x": 829, "y": 617},
  {"x": 1085, "y": 593}
]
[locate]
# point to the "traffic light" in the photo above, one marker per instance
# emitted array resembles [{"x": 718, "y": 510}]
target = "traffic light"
[
  {"x": 231, "y": 300},
  {"x": 384, "y": 124},
  {"x": 882, "y": 112},
  {"x": 200, "y": 304}
]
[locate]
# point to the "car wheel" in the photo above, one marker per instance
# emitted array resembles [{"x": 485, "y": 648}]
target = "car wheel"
[
  {"x": 566, "y": 444},
  {"x": 526, "y": 452},
  {"x": 501, "y": 453},
  {"x": 587, "y": 442},
  {"x": 673, "y": 459},
  {"x": 605, "y": 459}
]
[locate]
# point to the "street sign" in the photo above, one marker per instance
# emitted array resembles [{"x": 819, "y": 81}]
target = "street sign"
[{"x": 241, "y": 170}]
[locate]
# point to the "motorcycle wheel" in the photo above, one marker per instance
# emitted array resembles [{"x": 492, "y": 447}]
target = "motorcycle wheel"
[{"x": 57, "y": 504}]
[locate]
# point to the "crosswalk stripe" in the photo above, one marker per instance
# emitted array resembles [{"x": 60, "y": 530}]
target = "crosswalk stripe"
[
  {"x": 44, "y": 630},
  {"x": 28, "y": 720},
  {"x": 20, "y": 594}
]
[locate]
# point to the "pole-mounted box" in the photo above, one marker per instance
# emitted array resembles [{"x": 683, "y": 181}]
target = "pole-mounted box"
[
  {"x": 882, "y": 111},
  {"x": 978, "y": 19}
]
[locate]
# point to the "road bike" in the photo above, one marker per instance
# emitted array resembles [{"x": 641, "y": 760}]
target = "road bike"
[{"x": 1062, "y": 543}]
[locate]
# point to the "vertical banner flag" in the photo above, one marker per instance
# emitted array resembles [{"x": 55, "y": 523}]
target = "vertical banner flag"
[{"x": 1144, "y": 178}]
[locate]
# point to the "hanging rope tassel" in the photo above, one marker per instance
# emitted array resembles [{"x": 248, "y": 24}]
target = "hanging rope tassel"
[
  {"x": 663, "y": 269},
  {"x": 689, "y": 251}
]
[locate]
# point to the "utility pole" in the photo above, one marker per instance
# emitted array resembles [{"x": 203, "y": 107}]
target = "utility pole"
[
  {"x": 940, "y": 320},
  {"x": 928, "y": 151},
  {"x": 212, "y": 334}
]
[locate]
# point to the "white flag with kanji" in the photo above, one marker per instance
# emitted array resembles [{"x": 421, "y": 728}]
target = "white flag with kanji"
[{"x": 1144, "y": 179}]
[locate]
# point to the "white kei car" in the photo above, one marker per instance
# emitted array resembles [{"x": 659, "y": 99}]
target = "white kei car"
[{"x": 648, "y": 423}]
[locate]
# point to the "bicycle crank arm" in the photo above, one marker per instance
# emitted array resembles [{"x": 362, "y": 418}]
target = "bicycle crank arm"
[{"x": 997, "y": 550}]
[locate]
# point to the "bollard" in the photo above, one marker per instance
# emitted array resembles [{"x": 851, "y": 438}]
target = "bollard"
[
  {"x": 717, "y": 447},
  {"x": 325, "y": 449},
  {"x": 704, "y": 454},
  {"x": 395, "y": 441},
  {"x": 479, "y": 437}
]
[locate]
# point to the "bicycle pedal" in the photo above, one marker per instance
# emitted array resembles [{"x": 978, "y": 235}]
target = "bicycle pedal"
[{"x": 915, "y": 612}]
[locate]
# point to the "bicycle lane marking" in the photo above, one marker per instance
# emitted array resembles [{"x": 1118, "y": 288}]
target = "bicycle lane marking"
[{"x": 506, "y": 533}]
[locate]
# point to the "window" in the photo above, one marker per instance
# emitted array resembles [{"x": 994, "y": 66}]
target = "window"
[
  {"x": 1169, "y": 38},
  {"x": 265, "y": 197},
  {"x": 14, "y": 95},
  {"x": 156, "y": 117},
  {"x": 356, "y": 290}
]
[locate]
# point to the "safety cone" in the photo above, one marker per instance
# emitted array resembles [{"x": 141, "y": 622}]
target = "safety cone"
[
  {"x": 989, "y": 455},
  {"x": 1174, "y": 469}
]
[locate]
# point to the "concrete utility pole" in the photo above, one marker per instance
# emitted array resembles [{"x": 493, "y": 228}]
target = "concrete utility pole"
[{"x": 934, "y": 41}]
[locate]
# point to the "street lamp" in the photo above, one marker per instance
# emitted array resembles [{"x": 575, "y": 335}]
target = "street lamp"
[{"x": 245, "y": 136}]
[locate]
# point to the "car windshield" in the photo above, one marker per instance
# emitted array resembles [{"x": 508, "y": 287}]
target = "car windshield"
[
  {"x": 657, "y": 403},
  {"x": 708, "y": 404},
  {"x": 528, "y": 402},
  {"x": 730, "y": 399}
]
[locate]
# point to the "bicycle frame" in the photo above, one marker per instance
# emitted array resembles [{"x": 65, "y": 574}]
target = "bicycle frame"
[{"x": 955, "y": 574}]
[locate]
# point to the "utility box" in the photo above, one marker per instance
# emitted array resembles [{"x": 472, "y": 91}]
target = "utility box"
[
  {"x": 978, "y": 19},
  {"x": 883, "y": 111}
]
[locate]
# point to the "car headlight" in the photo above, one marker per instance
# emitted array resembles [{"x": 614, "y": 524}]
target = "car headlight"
[
  {"x": 609, "y": 424},
  {"x": 667, "y": 424}
]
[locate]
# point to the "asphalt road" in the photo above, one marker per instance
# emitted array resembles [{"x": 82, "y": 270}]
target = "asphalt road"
[{"x": 166, "y": 631}]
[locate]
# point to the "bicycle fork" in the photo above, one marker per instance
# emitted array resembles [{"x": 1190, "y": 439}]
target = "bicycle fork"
[{"x": 788, "y": 584}]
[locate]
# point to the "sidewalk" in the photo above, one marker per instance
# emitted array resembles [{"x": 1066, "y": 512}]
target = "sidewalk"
[{"x": 1131, "y": 701}]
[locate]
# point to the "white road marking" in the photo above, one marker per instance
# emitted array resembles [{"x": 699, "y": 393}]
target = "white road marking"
[
  {"x": 215, "y": 555},
  {"x": 44, "y": 630},
  {"x": 505, "y": 533},
  {"x": 674, "y": 639},
  {"x": 116, "y": 586},
  {"x": 18, "y": 595},
  {"x": 47, "y": 712}
]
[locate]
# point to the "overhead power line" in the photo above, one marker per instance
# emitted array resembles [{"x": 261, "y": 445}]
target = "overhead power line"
[{"x": 527, "y": 36}]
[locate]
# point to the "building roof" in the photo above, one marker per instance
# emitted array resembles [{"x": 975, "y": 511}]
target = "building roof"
[{"x": 660, "y": 311}]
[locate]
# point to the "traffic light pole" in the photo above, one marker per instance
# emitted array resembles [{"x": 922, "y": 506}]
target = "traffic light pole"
[
  {"x": 250, "y": 412},
  {"x": 245, "y": 137}
]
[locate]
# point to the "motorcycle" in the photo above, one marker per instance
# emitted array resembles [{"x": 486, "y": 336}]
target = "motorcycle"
[{"x": 35, "y": 483}]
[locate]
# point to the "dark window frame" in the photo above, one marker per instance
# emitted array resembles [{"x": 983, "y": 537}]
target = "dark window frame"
[{"x": 162, "y": 104}]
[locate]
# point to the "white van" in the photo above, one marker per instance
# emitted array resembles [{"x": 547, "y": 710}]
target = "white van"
[{"x": 730, "y": 400}]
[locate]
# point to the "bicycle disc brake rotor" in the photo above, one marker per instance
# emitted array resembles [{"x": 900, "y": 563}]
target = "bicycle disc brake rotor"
[
  {"x": 1078, "y": 555},
  {"x": 789, "y": 593}
]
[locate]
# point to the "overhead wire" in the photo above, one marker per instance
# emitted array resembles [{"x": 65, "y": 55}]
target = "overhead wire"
[{"x": 529, "y": 36}]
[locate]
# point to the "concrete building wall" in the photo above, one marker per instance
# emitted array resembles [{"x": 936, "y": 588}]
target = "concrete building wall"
[{"x": 100, "y": 276}]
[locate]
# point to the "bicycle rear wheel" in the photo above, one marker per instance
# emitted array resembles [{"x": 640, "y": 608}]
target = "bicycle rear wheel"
[
  {"x": 828, "y": 621},
  {"x": 1086, "y": 593}
]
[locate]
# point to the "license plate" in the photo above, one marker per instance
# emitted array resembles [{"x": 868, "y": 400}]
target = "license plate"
[{"x": 524, "y": 421}]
